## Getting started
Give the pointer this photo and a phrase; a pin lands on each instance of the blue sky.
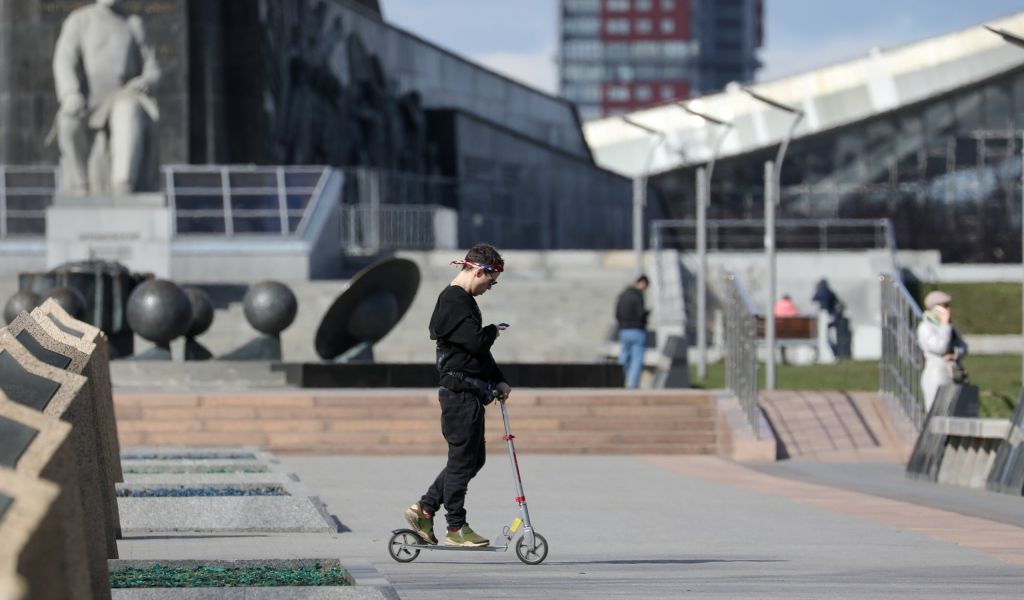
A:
(519, 38)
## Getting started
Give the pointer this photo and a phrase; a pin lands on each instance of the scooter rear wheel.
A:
(535, 555)
(402, 545)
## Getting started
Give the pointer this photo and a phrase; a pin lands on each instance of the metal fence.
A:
(741, 349)
(367, 229)
(790, 234)
(25, 194)
(241, 200)
(206, 200)
(902, 360)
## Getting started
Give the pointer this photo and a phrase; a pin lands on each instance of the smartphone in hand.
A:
(503, 326)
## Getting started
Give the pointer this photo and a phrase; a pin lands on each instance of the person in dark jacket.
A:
(469, 379)
(632, 319)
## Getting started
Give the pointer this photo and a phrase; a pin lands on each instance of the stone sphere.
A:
(23, 301)
(159, 311)
(202, 312)
(70, 299)
(270, 307)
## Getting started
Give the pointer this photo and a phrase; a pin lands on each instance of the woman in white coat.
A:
(943, 347)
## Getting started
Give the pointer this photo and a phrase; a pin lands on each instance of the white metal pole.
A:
(769, 249)
(639, 193)
(702, 273)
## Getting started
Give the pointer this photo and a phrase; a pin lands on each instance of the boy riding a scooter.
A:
(469, 381)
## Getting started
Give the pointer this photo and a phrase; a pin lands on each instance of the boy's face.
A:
(483, 281)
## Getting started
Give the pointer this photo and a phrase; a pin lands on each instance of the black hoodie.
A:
(463, 343)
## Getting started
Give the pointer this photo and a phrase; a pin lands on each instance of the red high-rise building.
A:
(621, 55)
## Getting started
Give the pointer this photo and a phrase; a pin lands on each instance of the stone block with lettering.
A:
(60, 349)
(39, 446)
(26, 380)
(84, 336)
(134, 230)
(30, 523)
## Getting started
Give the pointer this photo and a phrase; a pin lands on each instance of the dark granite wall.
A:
(28, 33)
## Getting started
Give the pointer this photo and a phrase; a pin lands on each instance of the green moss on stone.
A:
(178, 577)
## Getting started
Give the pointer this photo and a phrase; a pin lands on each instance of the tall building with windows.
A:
(621, 55)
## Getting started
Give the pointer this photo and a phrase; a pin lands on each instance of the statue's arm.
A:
(66, 60)
(151, 73)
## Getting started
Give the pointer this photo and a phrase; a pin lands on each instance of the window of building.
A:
(668, 26)
(582, 49)
(668, 5)
(583, 72)
(642, 93)
(667, 92)
(583, 92)
(617, 93)
(617, 5)
(675, 49)
(646, 50)
(625, 73)
(583, 6)
(644, 5)
(616, 51)
(582, 25)
(642, 26)
(617, 26)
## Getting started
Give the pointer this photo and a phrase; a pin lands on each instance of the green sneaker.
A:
(421, 523)
(464, 537)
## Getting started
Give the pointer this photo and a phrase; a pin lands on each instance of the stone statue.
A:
(106, 128)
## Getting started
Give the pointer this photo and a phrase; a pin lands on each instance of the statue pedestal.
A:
(134, 230)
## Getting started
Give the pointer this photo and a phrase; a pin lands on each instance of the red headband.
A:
(487, 268)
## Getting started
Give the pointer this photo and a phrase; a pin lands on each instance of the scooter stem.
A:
(516, 477)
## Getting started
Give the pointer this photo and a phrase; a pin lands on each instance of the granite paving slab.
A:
(252, 514)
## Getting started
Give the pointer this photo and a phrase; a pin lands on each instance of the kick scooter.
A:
(531, 548)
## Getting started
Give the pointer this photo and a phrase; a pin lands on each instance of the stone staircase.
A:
(358, 422)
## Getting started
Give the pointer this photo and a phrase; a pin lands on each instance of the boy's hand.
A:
(505, 390)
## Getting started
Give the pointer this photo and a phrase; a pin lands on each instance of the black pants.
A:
(462, 423)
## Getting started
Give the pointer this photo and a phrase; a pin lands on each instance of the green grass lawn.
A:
(980, 308)
(998, 378)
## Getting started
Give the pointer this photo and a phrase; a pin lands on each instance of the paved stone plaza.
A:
(661, 527)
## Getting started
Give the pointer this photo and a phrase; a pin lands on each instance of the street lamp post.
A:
(640, 193)
(772, 196)
(703, 201)
(1016, 40)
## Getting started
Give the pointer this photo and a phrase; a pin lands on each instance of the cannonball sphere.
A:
(70, 299)
(159, 311)
(270, 307)
(22, 301)
(202, 311)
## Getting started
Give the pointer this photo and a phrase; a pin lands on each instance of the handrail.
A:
(902, 359)
(741, 350)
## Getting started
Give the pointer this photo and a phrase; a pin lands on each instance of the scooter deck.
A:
(424, 546)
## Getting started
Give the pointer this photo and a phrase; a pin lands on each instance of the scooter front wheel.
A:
(402, 545)
(535, 555)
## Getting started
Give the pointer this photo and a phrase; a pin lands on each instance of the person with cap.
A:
(942, 345)
(470, 379)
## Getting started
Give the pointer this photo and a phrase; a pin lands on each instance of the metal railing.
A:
(902, 360)
(206, 200)
(790, 234)
(367, 229)
(741, 349)
(25, 194)
(216, 200)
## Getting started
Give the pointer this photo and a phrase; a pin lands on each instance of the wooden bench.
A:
(792, 331)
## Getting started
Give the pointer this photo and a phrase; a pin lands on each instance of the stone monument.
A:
(104, 71)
